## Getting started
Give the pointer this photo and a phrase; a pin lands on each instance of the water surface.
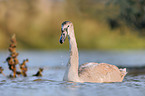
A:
(54, 62)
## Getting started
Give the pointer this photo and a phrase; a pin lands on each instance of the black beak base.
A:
(61, 41)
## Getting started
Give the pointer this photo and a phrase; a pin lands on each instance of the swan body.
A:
(88, 72)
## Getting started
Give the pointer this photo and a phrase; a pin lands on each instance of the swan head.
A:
(65, 27)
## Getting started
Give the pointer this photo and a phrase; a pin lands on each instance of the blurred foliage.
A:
(37, 24)
(132, 12)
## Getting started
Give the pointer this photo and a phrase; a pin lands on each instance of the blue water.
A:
(54, 62)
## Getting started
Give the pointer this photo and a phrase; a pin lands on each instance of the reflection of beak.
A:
(63, 37)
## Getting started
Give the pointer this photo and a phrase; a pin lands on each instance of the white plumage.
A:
(88, 72)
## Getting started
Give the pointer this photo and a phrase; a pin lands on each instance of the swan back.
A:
(100, 72)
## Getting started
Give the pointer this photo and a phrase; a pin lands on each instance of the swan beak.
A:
(61, 40)
(63, 37)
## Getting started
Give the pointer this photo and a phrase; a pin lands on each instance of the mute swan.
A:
(89, 72)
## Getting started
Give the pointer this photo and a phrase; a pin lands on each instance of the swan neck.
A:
(73, 50)
(72, 66)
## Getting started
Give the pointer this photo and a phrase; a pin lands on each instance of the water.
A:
(51, 83)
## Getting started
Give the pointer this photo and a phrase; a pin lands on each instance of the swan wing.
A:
(101, 72)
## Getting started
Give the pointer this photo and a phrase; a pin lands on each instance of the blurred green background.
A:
(99, 24)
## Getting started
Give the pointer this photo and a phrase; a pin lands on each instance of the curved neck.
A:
(71, 73)
(73, 50)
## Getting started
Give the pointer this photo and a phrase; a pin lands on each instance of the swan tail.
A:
(123, 73)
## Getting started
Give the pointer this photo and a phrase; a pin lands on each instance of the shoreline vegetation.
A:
(13, 62)
(37, 24)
